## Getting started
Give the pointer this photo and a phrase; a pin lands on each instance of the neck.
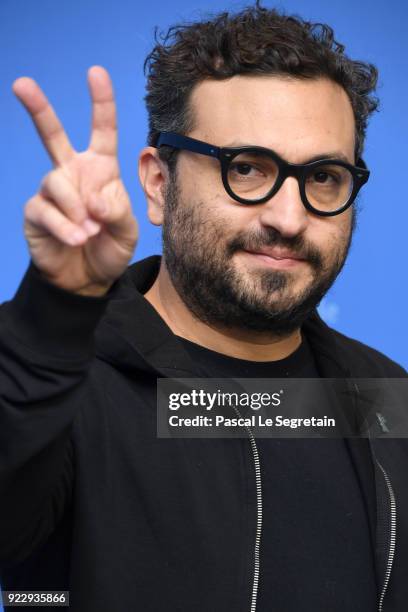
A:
(239, 343)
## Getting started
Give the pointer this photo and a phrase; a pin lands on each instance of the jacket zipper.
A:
(393, 527)
(257, 464)
(393, 536)
(258, 481)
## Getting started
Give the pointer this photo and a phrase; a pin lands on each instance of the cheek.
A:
(331, 235)
(342, 230)
(200, 179)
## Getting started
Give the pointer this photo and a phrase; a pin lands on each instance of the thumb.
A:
(116, 217)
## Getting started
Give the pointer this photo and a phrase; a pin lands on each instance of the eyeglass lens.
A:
(252, 175)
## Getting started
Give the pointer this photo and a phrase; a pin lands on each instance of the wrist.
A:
(94, 290)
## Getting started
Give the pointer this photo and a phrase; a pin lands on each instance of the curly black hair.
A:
(255, 41)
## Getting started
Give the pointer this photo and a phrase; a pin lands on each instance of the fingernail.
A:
(91, 227)
(102, 208)
(77, 237)
(97, 203)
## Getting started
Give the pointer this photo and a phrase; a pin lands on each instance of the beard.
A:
(199, 262)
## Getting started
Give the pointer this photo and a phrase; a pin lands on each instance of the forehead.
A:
(292, 116)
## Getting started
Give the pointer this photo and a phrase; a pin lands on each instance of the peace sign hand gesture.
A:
(80, 228)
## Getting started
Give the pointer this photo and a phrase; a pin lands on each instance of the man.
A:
(257, 125)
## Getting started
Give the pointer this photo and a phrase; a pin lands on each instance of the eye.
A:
(245, 169)
(324, 177)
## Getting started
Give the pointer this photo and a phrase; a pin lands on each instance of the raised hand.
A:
(80, 228)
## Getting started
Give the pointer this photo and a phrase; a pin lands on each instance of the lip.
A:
(276, 258)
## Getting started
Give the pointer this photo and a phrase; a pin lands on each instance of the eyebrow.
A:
(309, 160)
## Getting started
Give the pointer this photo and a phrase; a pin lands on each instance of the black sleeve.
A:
(46, 350)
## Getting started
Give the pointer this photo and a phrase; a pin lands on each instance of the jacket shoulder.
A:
(366, 361)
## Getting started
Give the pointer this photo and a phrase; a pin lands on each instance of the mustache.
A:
(269, 237)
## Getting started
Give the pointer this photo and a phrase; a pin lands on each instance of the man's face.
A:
(227, 260)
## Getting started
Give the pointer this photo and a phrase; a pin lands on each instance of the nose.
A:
(285, 211)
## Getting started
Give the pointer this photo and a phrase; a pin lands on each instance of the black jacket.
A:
(93, 502)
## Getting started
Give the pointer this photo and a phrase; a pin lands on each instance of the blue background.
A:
(55, 43)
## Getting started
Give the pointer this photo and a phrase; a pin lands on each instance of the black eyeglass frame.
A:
(226, 155)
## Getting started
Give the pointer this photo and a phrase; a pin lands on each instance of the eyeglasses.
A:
(253, 175)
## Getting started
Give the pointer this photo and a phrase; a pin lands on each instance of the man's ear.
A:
(153, 175)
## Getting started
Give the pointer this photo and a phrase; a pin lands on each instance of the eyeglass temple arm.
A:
(184, 142)
(197, 146)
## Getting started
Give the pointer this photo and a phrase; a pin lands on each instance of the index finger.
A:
(104, 136)
(45, 120)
